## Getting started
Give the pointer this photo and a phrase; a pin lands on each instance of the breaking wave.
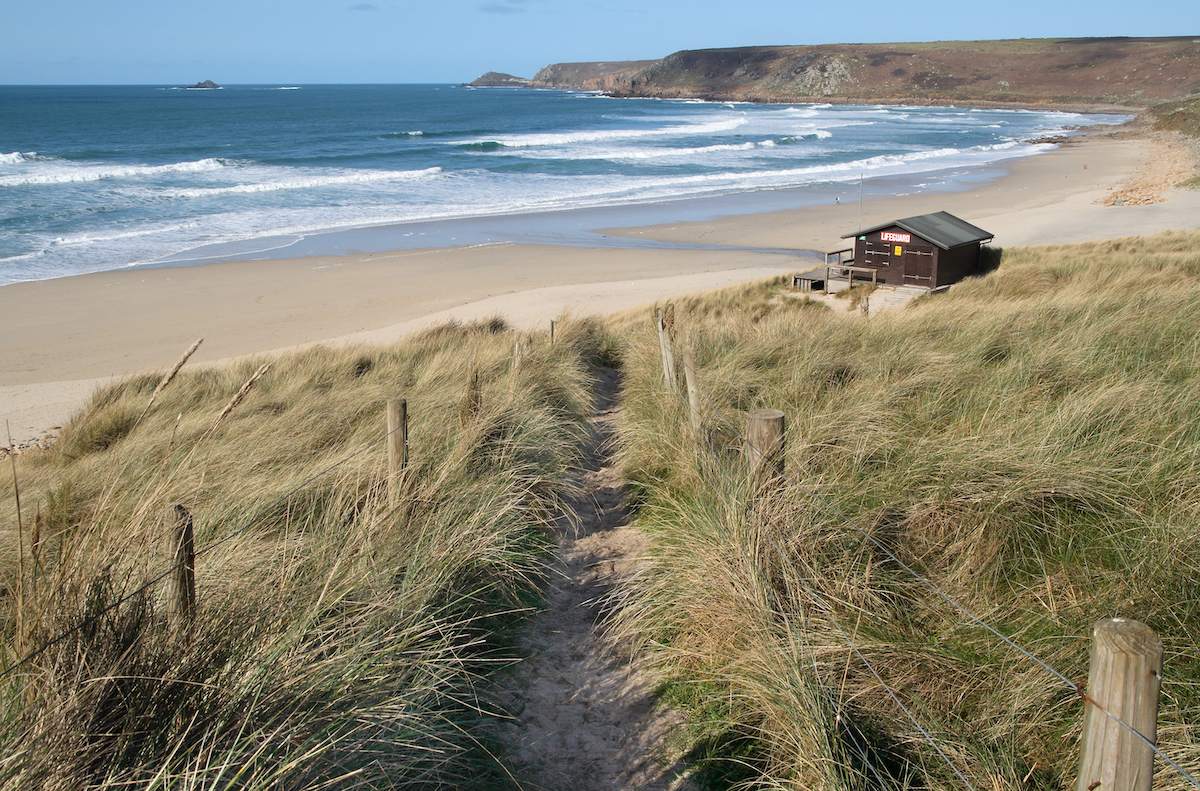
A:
(15, 157)
(567, 138)
(57, 171)
(307, 182)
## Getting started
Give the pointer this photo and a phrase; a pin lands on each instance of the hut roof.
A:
(942, 228)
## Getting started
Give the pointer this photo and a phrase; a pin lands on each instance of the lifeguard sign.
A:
(893, 236)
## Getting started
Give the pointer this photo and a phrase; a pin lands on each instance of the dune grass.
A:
(1029, 442)
(343, 630)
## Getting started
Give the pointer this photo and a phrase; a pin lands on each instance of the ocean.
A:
(96, 178)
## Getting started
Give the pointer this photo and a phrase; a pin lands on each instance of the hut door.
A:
(918, 266)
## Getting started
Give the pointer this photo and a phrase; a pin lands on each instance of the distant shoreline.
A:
(894, 102)
(346, 190)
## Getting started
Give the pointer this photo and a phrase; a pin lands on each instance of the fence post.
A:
(518, 353)
(181, 584)
(765, 442)
(693, 391)
(553, 323)
(662, 323)
(1123, 680)
(397, 435)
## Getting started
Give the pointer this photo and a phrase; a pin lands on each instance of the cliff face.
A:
(1085, 72)
(595, 76)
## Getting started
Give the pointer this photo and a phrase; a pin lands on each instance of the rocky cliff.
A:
(1080, 72)
(596, 76)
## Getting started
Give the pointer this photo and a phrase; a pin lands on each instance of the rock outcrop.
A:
(203, 85)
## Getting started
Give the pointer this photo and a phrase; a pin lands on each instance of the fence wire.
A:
(1037, 660)
(891, 693)
(150, 583)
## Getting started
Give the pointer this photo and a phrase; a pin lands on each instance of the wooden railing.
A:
(837, 257)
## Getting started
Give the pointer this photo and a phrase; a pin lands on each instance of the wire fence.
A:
(764, 447)
(149, 583)
(895, 698)
(1041, 663)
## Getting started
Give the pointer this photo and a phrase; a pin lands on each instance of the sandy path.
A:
(585, 715)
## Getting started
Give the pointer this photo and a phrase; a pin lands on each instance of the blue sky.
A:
(174, 41)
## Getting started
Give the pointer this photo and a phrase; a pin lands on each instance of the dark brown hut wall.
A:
(880, 254)
(957, 263)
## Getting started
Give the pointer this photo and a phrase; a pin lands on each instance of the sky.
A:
(346, 41)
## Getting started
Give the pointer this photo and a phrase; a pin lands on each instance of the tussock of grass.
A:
(1029, 440)
(340, 637)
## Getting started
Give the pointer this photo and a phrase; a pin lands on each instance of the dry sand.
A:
(585, 714)
(63, 337)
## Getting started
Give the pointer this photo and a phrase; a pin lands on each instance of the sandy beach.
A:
(1053, 198)
(65, 336)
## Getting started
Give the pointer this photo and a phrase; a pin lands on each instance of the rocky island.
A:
(203, 85)
(497, 79)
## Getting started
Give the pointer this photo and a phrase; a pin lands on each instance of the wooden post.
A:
(1123, 679)
(181, 584)
(661, 324)
(552, 325)
(397, 435)
(693, 391)
(518, 354)
(765, 441)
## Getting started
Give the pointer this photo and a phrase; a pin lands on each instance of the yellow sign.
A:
(899, 250)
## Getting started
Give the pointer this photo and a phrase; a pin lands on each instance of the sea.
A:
(97, 178)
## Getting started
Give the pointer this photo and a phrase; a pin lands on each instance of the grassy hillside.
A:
(1076, 72)
(1028, 442)
(341, 633)
(1181, 116)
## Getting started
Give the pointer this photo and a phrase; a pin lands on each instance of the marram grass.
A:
(1029, 441)
(342, 633)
